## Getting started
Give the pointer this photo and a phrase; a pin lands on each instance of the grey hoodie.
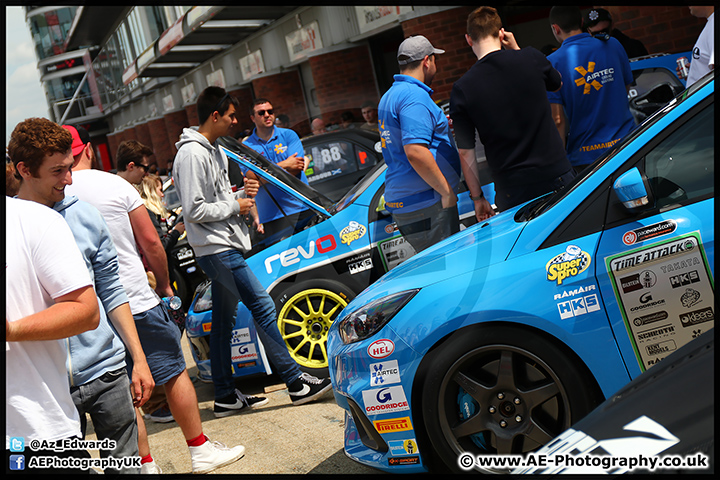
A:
(211, 213)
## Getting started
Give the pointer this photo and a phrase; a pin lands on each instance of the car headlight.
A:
(364, 322)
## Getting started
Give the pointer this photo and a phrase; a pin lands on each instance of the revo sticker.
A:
(292, 256)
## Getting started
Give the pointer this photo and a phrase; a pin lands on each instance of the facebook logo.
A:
(17, 462)
(578, 306)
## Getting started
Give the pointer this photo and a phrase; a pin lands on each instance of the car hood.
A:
(251, 160)
(476, 247)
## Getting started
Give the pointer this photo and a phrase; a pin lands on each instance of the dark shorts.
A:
(427, 226)
(160, 340)
(513, 195)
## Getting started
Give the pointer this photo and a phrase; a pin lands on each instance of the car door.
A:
(655, 265)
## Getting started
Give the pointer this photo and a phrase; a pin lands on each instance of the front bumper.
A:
(374, 388)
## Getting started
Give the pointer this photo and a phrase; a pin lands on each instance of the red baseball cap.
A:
(81, 137)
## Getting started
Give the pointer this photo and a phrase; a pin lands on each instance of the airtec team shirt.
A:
(408, 115)
(283, 143)
(594, 95)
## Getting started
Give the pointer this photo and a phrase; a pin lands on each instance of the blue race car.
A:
(313, 274)
(499, 338)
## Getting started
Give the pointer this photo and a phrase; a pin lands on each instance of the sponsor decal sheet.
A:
(666, 295)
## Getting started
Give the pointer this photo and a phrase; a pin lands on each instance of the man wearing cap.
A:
(423, 171)
(599, 23)
(596, 78)
(504, 98)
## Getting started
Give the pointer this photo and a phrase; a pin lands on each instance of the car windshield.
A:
(540, 205)
(359, 187)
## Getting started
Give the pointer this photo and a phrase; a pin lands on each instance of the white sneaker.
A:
(211, 455)
(150, 467)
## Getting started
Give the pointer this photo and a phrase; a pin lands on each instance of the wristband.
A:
(476, 198)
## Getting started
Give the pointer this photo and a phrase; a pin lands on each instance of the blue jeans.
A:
(232, 279)
(108, 401)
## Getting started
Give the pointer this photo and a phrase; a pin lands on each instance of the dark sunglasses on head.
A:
(261, 113)
(219, 104)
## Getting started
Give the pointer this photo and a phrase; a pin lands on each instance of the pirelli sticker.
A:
(393, 425)
(666, 295)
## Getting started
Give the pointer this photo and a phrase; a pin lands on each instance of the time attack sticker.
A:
(665, 293)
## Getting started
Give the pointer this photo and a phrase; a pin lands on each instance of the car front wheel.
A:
(501, 390)
(305, 313)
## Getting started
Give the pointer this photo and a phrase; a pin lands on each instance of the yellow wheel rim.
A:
(304, 322)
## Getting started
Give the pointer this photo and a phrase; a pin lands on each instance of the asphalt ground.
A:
(279, 438)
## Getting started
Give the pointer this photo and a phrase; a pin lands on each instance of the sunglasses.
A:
(144, 167)
(261, 113)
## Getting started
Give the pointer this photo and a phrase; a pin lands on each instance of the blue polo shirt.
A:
(283, 143)
(595, 73)
(407, 115)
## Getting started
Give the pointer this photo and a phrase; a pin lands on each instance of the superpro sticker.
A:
(665, 293)
(570, 263)
(354, 231)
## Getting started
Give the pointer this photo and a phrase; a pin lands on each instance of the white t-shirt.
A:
(115, 197)
(42, 263)
(703, 53)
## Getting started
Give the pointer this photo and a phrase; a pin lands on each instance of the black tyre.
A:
(501, 390)
(305, 312)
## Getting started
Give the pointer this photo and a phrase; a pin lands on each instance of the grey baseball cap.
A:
(415, 48)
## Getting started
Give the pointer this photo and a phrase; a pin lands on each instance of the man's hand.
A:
(259, 227)
(245, 205)
(449, 200)
(252, 186)
(293, 164)
(142, 383)
(483, 210)
(507, 39)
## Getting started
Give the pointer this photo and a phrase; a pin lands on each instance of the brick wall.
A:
(143, 135)
(245, 99)
(174, 124)
(192, 115)
(113, 142)
(285, 93)
(343, 81)
(161, 144)
(446, 31)
(663, 29)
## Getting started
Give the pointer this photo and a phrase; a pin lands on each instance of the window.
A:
(681, 168)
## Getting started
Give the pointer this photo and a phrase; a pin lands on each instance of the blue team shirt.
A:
(595, 73)
(283, 143)
(407, 115)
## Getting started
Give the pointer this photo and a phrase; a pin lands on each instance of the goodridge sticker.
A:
(665, 293)
(568, 264)
(385, 400)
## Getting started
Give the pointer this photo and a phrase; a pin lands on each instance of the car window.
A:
(682, 167)
(330, 159)
(647, 78)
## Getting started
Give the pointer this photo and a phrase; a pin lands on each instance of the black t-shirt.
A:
(504, 97)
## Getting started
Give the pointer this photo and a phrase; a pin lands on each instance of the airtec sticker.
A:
(568, 264)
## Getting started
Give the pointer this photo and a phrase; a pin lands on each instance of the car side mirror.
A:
(630, 187)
